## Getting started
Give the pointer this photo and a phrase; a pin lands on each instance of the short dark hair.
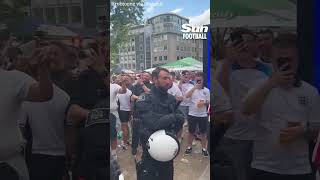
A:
(266, 31)
(237, 33)
(156, 72)
(287, 40)
(184, 72)
(173, 74)
(199, 74)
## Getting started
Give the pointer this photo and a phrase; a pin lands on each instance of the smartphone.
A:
(282, 61)
(237, 41)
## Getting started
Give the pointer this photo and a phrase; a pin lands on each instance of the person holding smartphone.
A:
(288, 111)
(198, 116)
(238, 73)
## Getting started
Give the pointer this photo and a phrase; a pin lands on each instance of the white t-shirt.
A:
(175, 91)
(297, 104)
(46, 120)
(184, 89)
(199, 94)
(114, 89)
(219, 98)
(124, 100)
(241, 81)
(14, 90)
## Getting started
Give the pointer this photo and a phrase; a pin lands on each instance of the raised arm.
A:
(42, 90)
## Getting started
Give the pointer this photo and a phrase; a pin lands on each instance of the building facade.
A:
(70, 13)
(135, 54)
(157, 42)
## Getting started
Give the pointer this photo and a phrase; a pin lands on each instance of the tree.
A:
(11, 9)
(122, 16)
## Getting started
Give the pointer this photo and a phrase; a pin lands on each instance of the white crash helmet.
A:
(163, 146)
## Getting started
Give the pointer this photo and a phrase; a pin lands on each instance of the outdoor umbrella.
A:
(117, 69)
(235, 13)
(24, 26)
(187, 62)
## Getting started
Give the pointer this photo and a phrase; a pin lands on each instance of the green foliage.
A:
(121, 18)
(11, 9)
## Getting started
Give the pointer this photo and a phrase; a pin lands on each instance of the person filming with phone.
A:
(198, 116)
(288, 113)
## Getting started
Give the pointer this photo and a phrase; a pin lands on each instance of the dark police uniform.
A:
(89, 90)
(154, 111)
(137, 90)
(94, 142)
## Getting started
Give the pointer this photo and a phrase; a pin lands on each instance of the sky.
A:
(198, 11)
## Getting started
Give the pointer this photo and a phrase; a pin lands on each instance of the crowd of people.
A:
(55, 111)
(54, 114)
(190, 99)
(51, 123)
(265, 117)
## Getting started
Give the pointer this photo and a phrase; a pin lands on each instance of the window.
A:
(76, 14)
(177, 48)
(140, 47)
(125, 66)
(51, 15)
(167, 19)
(129, 66)
(165, 37)
(132, 39)
(133, 66)
(177, 57)
(192, 49)
(63, 15)
(165, 47)
(165, 58)
(128, 49)
(155, 58)
(132, 48)
(160, 58)
(141, 57)
(38, 12)
(141, 38)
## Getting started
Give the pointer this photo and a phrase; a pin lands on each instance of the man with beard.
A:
(157, 110)
(143, 84)
(288, 117)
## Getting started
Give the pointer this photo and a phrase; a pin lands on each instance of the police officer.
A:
(157, 110)
(143, 85)
(90, 89)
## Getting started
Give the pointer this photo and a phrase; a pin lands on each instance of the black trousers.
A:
(135, 134)
(7, 172)
(154, 170)
(263, 175)
(46, 167)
